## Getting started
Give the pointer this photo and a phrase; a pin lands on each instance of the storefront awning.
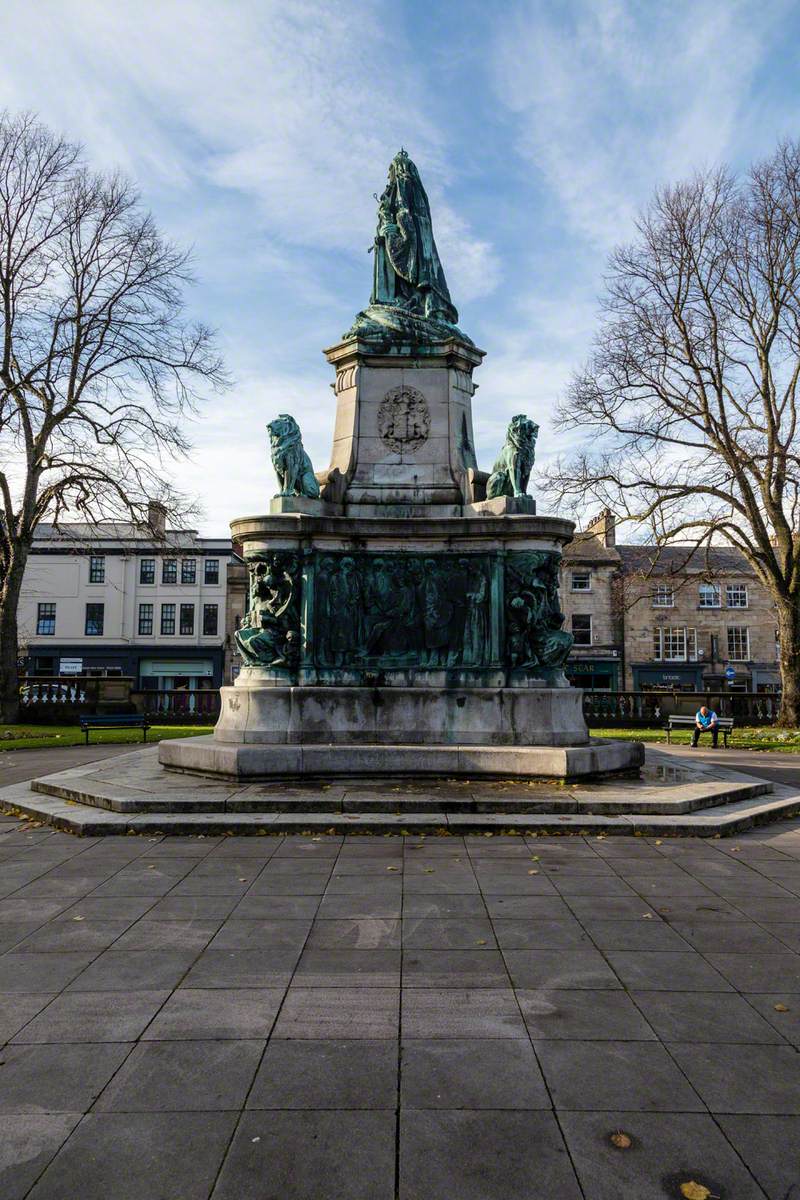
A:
(150, 667)
(664, 676)
(597, 666)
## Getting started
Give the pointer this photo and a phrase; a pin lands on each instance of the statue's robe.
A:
(408, 270)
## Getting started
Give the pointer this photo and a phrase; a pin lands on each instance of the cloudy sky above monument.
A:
(259, 131)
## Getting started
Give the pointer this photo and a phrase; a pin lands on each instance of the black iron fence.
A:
(652, 708)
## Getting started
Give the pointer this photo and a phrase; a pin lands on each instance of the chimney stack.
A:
(157, 517)
(604, 527)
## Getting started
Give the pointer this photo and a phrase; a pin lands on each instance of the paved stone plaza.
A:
(370, 1017)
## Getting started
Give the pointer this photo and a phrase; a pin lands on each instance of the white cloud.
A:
(299, 107)
(614, 98)
(470, 264)
(259, 131)
(230, 466)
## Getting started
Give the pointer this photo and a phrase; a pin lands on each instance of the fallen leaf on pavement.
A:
(696, 1191)
(780, 1008)
(621, 1140)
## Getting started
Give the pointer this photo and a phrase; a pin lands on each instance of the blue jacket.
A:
(706, 721)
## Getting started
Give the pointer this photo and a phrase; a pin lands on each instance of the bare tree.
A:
(98, 364)
(691, 395)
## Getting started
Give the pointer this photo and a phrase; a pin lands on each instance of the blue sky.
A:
(259, 131)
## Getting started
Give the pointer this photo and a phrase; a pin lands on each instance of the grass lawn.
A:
(40, 737)
(744, 737)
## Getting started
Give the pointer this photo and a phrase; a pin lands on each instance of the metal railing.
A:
(65, 697)
(603, 708)
(50, 697)
(179, 704)
(53, 691)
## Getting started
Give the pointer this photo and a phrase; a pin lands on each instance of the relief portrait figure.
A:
(476, 624)
(344, 613)
(437, 615)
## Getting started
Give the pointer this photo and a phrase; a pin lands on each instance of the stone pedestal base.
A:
(302, 732)
(389, 716)
(207, 756)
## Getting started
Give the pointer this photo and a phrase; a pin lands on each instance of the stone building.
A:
(696, 620)
(677, 618)
(589, 569)
(112, 599)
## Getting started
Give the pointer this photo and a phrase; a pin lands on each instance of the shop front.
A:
(69, 659)
(668, 678)
(765, 679)
(593, 674)
(181, 680)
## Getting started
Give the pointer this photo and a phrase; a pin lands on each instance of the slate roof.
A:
(676, 560)
(84, 536)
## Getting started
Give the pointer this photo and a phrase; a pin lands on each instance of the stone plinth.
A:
(403, 441)
(392, 716)
(419, 603)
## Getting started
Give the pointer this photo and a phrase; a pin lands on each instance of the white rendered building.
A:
(112, 599)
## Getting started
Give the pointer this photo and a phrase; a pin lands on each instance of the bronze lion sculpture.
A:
(290, 461)
(512, 470)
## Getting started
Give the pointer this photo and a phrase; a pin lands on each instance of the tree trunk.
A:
(789, 634)
(9, 650)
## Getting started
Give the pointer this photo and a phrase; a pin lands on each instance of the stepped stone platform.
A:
(134, 794)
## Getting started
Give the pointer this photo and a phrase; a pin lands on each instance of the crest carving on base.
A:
(404, 419)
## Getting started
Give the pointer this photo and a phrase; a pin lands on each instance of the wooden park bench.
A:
(724, 725)
(115, 721)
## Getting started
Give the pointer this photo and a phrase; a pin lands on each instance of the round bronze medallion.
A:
(404, 419)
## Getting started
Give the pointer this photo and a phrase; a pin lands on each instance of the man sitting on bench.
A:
(705, 721)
